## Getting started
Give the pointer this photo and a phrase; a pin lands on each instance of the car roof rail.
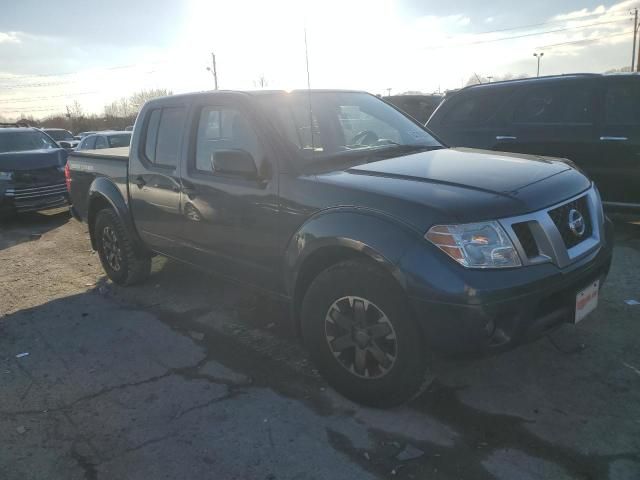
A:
(532, 79)
(15, 125)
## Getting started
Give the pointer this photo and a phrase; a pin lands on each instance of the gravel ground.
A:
(186, 377)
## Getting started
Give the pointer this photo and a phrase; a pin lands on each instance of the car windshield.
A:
(119, 140)
(58, 135)
(24, 140)
(322, 126)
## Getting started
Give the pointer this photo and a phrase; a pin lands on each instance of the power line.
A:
(46, 75)
(525, 35)
(52, 84)
(35, 99)
(533, 25)
(586, 40)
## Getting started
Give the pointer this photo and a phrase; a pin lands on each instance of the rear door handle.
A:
(505, 137)
(140, 182)
(614, 139)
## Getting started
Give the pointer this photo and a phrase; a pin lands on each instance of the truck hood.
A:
(32, 160)
(462, 184)
(494, 172)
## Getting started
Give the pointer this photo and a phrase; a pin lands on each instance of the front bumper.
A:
(31, 199)
(479, 312)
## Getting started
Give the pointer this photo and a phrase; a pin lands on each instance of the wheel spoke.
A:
(341, 343)
(341, 319)
(359, 312)
(379, 355)
(360, 360)
(379, 330)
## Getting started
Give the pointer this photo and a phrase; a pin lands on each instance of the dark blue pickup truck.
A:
(388, 245)
(31, 171)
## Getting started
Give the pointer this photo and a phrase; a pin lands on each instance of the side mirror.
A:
(64, 144)
(234, 162)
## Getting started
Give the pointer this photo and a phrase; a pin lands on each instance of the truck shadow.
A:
(30, 226)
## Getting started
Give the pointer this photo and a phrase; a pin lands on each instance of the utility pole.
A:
(388, 92)
(489, 77)
(635, 34)
(539, 57)
(213, 70)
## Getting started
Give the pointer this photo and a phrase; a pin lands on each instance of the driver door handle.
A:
(505, 137)
(614, 139)
(140, 181)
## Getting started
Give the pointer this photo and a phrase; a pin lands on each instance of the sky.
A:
(94, 52)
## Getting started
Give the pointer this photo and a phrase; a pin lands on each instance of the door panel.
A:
(230, 222)
(619, 148)
(154, 181)
(556, 119)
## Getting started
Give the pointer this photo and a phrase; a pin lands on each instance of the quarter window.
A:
(223, 128)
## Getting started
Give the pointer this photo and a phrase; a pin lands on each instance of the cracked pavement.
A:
(187, 377)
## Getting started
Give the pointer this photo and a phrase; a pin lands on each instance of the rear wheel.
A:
(115, 248)
(360, 333)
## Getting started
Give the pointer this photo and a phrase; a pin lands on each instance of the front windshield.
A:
(324, 125)
(59, 135)
(120, 140)
(24, 140)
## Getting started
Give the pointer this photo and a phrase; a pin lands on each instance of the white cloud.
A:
(9, 37)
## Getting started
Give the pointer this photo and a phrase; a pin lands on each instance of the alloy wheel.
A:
(361, 337)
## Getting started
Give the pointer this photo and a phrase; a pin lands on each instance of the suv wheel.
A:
(117, 255)
(359, 331)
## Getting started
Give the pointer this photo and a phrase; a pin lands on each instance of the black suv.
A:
(591, 119)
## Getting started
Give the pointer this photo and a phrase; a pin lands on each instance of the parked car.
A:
(388, 246)
(101, 140)
(419, 107)
(81, 135)
(31, 171)
(64, 138)
(591, 119)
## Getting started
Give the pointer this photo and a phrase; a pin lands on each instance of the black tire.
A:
(126, 267)
(350, 284)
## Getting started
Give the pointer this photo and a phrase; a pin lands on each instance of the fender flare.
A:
(103, 190)
(367, 232)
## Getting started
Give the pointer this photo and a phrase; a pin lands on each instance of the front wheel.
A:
(118, 257)
(361, 335)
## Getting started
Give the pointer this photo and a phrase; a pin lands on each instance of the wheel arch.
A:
(104, 193)
(338, 235)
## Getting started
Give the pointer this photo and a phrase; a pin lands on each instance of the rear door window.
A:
(101, 142)
(89, 143)
(555, 104)
(163, 134)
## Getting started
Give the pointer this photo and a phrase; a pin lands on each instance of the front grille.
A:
(560, 217)
(528, 243)
(38, 198)
(34, 193)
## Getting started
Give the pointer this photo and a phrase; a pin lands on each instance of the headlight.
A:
(475, 245)
(6, 175)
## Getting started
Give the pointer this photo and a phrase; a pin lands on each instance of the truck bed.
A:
(86, 166)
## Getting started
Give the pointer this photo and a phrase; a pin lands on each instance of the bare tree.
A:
(261, 81)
